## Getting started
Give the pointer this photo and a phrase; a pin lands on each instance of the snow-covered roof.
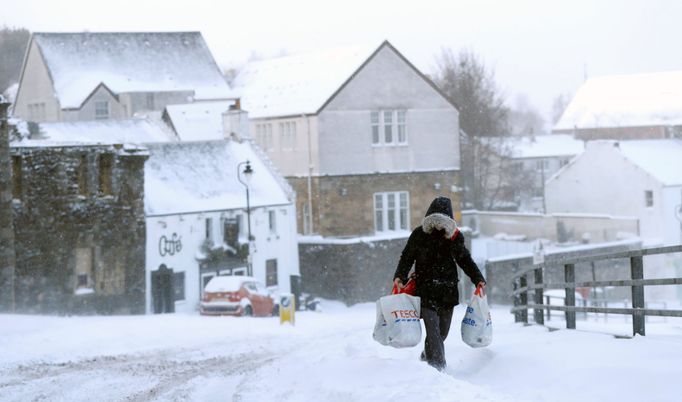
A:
(130, 62)
(198, 121)
(136, 131)
(298, 84)
(653, 99)
(660, 158)
(543, 146)
(227, 283)
(202, 176)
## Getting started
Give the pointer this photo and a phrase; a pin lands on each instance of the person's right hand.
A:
(398, 283)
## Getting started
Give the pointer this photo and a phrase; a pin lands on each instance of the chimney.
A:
(236, 123)
(7, 252)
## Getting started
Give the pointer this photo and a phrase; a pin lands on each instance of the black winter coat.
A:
(436, 247)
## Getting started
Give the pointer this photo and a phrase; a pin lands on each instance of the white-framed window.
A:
(264, 135)
(648, 198)
(101, 110)
(389, 127)
(287, 135)
(272, 221)
(307, 219)
(391, 211)
(374, 117)
(402, 126)
(241, 221)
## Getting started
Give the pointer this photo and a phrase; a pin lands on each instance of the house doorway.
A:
(162, 290)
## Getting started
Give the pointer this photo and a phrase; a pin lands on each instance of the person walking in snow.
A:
(436, 247)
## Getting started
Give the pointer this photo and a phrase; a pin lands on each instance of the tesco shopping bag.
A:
(477, 326)
(397, 321)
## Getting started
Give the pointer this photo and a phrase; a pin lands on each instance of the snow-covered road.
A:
(327, 356)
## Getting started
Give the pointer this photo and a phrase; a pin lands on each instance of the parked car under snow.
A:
(236, 295)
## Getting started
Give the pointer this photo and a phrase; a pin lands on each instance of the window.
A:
(389, 127)
(542, 164)
(375, 127)
(84, 264)
(82, 175)
(241, 222)
(178, 286)
(271, 272)
(231, 232)
(649, 198)
(106, 162)
(563, 162)
(402, 128)
(264, 135)
(391, 211)
(101, 110)
(287, 135)
(36, 111)
(272, 221)
(17, 177)
(209, 229)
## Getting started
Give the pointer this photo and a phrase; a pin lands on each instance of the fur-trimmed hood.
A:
(438, 221)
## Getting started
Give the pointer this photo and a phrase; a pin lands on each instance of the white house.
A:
(197, 221)
(364, 137)
(114, 75)
(639, 178)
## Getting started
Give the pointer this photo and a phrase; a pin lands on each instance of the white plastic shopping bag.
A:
(477, 325)
(397, 322)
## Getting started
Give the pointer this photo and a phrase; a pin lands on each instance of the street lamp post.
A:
(247, 173)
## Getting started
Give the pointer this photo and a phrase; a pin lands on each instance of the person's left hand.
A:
(481, 285)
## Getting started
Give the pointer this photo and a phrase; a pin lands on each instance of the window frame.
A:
(400, 211)
(389, 127)
(99, 115)
(272, 221)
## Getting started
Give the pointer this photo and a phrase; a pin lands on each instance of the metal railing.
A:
(637, 282)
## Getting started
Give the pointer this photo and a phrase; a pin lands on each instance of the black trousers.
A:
(437, 323)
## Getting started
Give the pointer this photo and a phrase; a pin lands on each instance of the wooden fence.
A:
(522, 289)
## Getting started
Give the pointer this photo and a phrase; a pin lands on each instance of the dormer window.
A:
(101, 110)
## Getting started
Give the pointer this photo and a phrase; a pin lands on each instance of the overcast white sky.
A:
(537, 48)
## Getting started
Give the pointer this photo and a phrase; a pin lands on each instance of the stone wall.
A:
(344, 205)
(79, 229)
(358, 270)
(354, 271)
(6, 223)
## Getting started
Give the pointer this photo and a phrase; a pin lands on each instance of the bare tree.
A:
(13, 44)
(466, 81)
(524, 119)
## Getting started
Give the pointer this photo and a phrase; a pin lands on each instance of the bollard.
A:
(287, 308)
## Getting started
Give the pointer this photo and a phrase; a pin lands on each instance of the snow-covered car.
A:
(236, 295)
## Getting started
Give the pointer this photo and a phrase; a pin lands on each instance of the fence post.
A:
(539, 313)
(523, 283)
(637, 272)
(517, 300)
(569, 277)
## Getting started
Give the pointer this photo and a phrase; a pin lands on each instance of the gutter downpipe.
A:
(310, 173)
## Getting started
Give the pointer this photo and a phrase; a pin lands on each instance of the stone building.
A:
(79, 227)
(7, 263)
(364, 138)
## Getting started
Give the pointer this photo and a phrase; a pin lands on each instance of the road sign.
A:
(287, 308)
